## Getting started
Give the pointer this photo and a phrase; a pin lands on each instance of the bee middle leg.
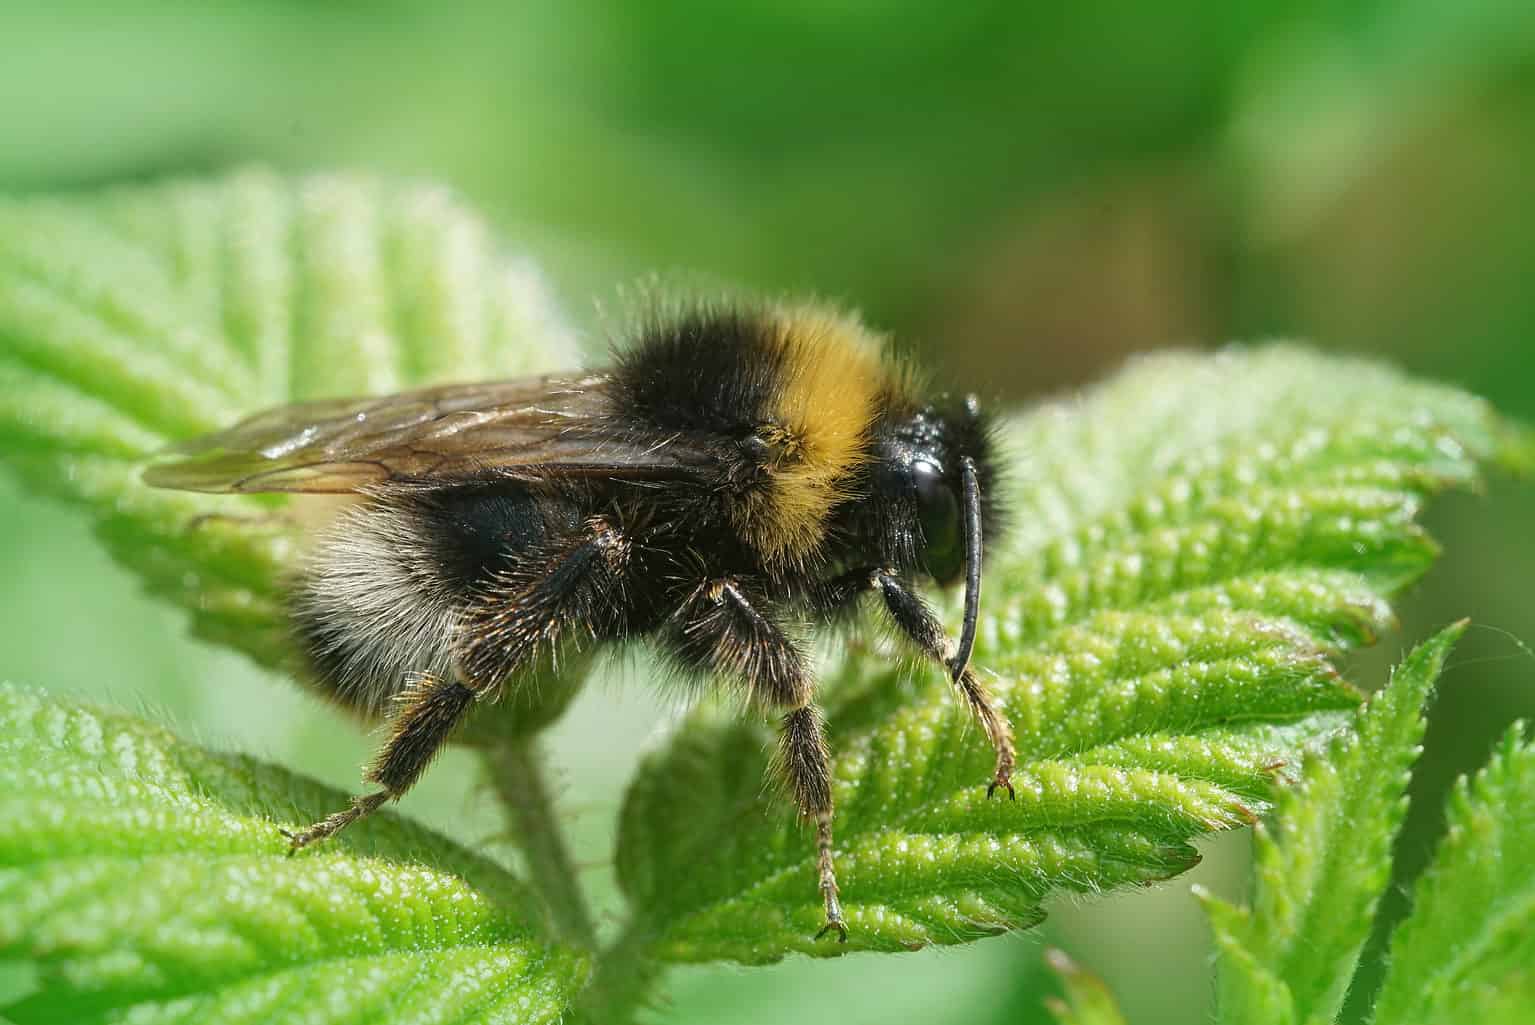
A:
(576, 582)
(915, 619)
(724, 629)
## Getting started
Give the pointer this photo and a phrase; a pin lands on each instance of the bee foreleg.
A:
(720, 628)
(916, 621)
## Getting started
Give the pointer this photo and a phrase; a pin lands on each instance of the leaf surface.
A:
(1467, 951)
(144, 879)
(144, 315)
(1321, 871)
(1192, 542)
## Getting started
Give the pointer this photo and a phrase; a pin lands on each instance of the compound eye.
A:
(943, 552)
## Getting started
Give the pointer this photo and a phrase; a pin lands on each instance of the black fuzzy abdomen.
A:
(478, 532)
(380, 596)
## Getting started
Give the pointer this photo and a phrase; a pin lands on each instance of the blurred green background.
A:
(1029, 192)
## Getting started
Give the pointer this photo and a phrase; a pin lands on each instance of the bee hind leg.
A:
(362, 805)
(574, 581)
(429, 711)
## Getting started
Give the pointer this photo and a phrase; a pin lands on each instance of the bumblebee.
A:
(736, 474)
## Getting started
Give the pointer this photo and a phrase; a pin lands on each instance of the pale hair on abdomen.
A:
(373, 609)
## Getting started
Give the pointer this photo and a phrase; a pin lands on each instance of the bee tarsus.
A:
(828, 880)
(363, 805)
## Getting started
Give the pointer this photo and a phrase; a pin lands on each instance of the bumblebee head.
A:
(935, 483)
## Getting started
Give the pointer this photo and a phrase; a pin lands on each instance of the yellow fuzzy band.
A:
(833, 381)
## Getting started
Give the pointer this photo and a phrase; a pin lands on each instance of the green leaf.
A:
(1088, 1001)
(143, 879)
(143, 315)
(1192, 541)
(1292, 955)
(1467, 951)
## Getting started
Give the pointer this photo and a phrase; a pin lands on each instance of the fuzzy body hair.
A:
(809, 426)
(828, 397)
(373, 607)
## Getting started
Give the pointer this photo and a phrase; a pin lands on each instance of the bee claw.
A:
(296, 841)
(1004, 782)
(837, 925)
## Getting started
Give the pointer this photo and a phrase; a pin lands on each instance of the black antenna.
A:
(972, 487)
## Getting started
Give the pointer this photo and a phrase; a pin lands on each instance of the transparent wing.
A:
(526, 428)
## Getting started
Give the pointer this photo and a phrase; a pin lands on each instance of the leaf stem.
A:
(517, 773)
(623, 979)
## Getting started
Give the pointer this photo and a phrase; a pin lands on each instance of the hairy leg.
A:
(806, 764)
(523, 612)
(916, 621)
(724, 629)
(429, 709)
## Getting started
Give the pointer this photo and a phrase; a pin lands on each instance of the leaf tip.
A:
(1427, 659)
(1087, 1001)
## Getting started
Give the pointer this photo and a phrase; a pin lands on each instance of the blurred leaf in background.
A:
(1031, 192)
